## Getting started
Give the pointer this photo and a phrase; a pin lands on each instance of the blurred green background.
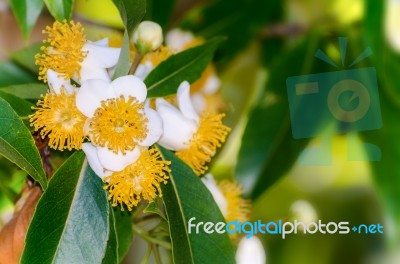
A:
(269, 41)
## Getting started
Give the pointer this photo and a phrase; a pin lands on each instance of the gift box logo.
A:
(348, 98)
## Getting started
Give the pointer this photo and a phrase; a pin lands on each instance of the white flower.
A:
(250, 251)
(104, 162)
(303, 211)
(177, 39)
(118, 120)
(148, 36)
(99, 58)
(185, 118)
(55, 83)
(392, 23)
(71, 55)
(217, 194)
(194, 138)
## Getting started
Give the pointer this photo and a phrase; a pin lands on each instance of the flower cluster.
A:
(113, 121)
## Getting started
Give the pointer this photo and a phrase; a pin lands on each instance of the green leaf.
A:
(123, 64)
(386, 173)
(26, 12)
(123, 224)
(184, 66)
(26, 91)
(132, 12)
(71, 221)
(160, 12)
(153, 208)
(268, 149)
(26, 57)
(11, 74)
(22, 107)
(60, 9)
(185, 196)
(111, 256)
(240, 21)
(17, 144)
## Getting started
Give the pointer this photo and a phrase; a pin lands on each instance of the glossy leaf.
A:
(22, 107)
(111, 255)
(71, 222)
(12, 74)
(184, 66)
(387, 61)
(160, 12)
(153, 208)
(185, 196)
(131, 11)
(60, 9)
(123, 225)
(26, 91)
(26, 12)
(268, 149)
(123, 64)
(17, 144)
(26, 57)
(240, 21)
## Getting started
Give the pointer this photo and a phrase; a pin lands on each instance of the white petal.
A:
(250, 250)
(55, 82)
(89, 72)
(212, 84)
(154, 126)
(199, 102)
(90, 95)
(185, 103)
(143, 70)
(130, 85)
(177, 39)
(93, 159)
(218, 196)
(100, 56)
(177, 129)
(102, 42)
(116, 162)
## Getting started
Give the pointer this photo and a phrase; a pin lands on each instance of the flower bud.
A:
(148, 36)
(250, 250)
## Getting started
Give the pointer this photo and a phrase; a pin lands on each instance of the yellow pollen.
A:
(58, 118)
(63, 53)
(158, 56)
(139, 180)
(199, 85)
(205, 141)
(119, 124)
(237, 207)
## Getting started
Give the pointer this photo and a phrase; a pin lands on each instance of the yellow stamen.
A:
(58, 118)
(158, 56)
(237, 207)
(64, 53)
(119, 124)
(193, 43)
(139, 180)
(199, 85)
(205, 141)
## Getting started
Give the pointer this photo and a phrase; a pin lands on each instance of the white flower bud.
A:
(148, 36)
(392, 23)
(303, 211)
(250, 250)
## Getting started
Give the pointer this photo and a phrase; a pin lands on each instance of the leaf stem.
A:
(156, 254)
(148, 253)
(145, 235)
(136, 62)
